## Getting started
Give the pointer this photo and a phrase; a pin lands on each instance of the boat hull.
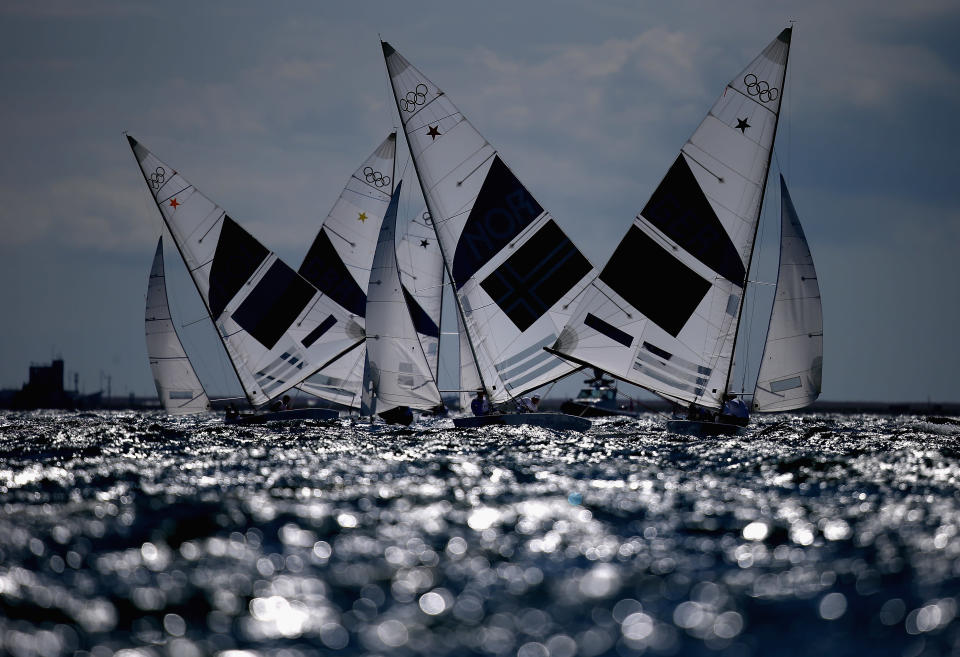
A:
(557, 421)
(571, 407)
(297, 414)
(703, 428)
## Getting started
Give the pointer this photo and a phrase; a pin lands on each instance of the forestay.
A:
(338, 263)
(514, 270)
(397, 372)
(178, 387)
(792, 365)
(663, 312)
(277, 328)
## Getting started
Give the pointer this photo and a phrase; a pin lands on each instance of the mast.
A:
(131, 141)
(753, 243)
(443, 253)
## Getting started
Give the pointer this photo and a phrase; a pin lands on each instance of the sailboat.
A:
(397, 376)
(791, 369)
(665, 311)
(277, 328)
(513, 270)
(339, 260)
(178, 387)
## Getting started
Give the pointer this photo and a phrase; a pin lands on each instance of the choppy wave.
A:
(129, 534)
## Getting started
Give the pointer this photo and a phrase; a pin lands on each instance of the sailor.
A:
(528, 404)
(735, 407)
(285, 403)
(480, 405)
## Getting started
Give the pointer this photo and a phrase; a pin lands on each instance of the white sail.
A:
(791, 369)
(663, 312)
(397, 372)
(514, 270)
(277, 328)
(420, 262)
(178, 387)
(339, 260)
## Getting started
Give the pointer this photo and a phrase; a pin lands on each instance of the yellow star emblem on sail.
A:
(362, 217)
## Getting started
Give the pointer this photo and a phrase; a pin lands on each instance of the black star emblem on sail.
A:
(742, 125)
(424, 243)
(433, 132)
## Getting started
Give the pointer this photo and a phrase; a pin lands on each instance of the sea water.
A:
(136, 534)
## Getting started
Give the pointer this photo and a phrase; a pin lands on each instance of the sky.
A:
(268, 107)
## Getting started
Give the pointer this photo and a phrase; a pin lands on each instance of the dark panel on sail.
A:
(503, 208)
(680, 209)
(328, 273)
(608, 330)
(534, 278)
(274, 304)
(654, 282)
(315, 334)
(237, 256)
(422, 322)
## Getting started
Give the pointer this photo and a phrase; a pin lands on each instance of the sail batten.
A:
(513, 269)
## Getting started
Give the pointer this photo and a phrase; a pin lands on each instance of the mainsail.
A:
(664, 311)
(277, 328)
(339, 260)
(791, 369)
(178, 387)
(513, 269)
(397, 372)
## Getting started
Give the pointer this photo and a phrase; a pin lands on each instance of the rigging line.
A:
(196, 321)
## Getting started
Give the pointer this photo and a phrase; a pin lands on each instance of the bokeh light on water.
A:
(128, 535)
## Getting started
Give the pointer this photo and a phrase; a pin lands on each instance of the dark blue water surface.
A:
(135, 534)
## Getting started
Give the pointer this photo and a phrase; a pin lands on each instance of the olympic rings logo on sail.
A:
(158, 177)
(375, 177)
(760, 88)
(413, 98)
(427, 219)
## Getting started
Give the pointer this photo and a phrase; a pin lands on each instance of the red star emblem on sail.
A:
(173, 203)
(433, 132)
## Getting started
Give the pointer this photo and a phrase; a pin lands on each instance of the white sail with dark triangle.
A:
(277, 328)
(397, 373)
(513, 269)
(792, 364)
(178, 387)
(420, 263)
(664, 311)
(339, 260)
